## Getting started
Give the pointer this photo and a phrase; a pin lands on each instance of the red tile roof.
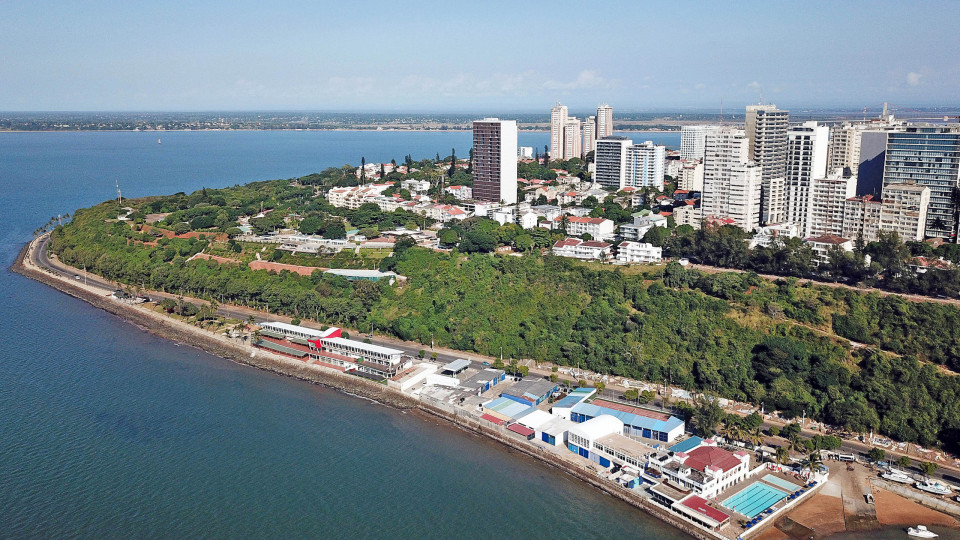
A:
(711, 456)
(523, 430)
(494, 419)
(631, 409)
(700, 506)
(828, 239)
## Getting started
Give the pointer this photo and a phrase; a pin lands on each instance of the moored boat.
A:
(921, 532)
(896, 475)
(934, 487)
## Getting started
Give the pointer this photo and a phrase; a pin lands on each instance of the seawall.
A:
(181, 332)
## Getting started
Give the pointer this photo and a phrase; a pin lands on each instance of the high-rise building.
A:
(724, 149)
(558, 120)
(766, 127)
(904, 210)
(806, 159)
(828, 197)
(589, 135)
(692, 139)
(930, 156)
(861, 218)
(743, 201)
(495, 160)
(572, 139)
(645, 165)
(861, 146)
(604, 122)
(611, 161)
(691, 176)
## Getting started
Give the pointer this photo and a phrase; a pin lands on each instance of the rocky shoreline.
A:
(223, 347)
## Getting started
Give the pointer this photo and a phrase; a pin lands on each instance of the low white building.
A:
(460, 192)
(822, 245)
(642, 222)
(639, 252)
(598, 228)
(582, 249)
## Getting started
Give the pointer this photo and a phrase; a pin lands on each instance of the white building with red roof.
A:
(582, 249)
(598, 228)
(460, 192)
(706, 470)
(822, 245)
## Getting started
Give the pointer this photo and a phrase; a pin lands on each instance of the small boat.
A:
(896, 475)
(921, 532)
(159, 141)
(934, 487)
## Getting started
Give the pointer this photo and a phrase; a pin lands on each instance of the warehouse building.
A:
(531, 391)
(639, 422)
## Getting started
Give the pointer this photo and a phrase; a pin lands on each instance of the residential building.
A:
(690, 177)
(638, 252)
(604, 121)
(460, 192)
(558, 120)
(572, 139)
(724, 149)
(861, 218)
(823, 245)
(688, 214)
(707, 470)
(768, 234)
(930, 156)
(828, 198)
(645, 165)
(642, 222)
(589, 135)
(611, 161)
(495, 160)
(524, 152)
(766, 128)
(807, 147)
(598, 228)
(693, 140)
(904, 210)
(744, 196)
(582, 249)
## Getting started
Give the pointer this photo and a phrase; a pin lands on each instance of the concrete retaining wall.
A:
(929, 500)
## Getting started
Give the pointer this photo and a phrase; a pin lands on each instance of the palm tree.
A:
(797, 444)
(813, 461)
(903, 462)
(783, 455)
(755, 436)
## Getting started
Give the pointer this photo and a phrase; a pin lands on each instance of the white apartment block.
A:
(828, 197)
(611, 161)
(604, 121)
(904, 210)
(766, 128)
(690, 177)
(589, 135)
(724, 149)
(823, 245)
(524, 152)
(638, 252)
(807, 147)
(645, 165)
(861, 218)
(353, 197)
(693, 140)
(460, 192)
(744, 199)
(688, 215)
(572, 139)
(598, 228)
(582, 249)
(558, 119)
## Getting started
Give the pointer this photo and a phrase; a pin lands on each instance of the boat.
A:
(921, 532)
(934, 487)
(896, 475)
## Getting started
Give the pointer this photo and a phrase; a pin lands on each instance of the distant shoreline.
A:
(391, 130)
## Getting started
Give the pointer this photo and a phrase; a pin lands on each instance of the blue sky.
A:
(474, 56)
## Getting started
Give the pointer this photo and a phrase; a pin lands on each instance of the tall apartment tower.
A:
(828, 197)
(766, 127)
(611, 161)
(744, 191)
(930, 156)
(724, 149)
(645, 165)
(558, 120)
(604, 121)
(495, 160)
(589, 135)
(807, 146)
(692, 139)
(572, 139)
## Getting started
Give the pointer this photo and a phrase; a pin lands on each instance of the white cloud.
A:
(586, 80)
(913, 78)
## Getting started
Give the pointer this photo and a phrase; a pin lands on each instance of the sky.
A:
(474, 56)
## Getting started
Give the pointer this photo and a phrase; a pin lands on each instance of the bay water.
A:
(107, 431)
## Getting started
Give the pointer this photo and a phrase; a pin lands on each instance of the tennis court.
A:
(755, 499)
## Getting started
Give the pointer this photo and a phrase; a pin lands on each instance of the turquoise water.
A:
(780, 482)
(755, 499)
(109, 432)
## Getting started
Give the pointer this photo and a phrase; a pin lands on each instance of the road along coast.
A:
(216, 344)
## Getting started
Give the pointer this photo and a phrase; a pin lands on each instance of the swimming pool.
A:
(780, 482)
(755, 499)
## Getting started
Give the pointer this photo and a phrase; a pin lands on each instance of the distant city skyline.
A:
(433, 56)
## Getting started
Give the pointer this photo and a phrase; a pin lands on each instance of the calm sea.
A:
(106, 431)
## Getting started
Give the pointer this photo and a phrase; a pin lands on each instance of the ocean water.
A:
(107, 431)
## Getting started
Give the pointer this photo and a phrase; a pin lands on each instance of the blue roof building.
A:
(638, 422)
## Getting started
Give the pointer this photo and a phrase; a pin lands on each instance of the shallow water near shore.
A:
(109, 431)
(895, 532)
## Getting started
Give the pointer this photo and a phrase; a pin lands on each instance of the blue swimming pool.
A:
(755, 499)
(781, 483)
